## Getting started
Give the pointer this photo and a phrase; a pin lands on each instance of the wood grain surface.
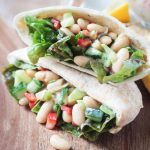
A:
(20, 131)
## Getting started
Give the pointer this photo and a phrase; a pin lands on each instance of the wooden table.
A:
(20, 131)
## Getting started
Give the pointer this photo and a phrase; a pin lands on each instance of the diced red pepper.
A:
(51, 121)
(32, 104)
(86, 32)
(67, 109)
(56, 23)
(73, 124)
(42, 69)
(31, 98)
(84, 42)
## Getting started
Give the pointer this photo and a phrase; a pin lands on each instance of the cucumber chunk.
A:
(18, 91)
(75, 95)
(37, 107)
(68, 20)
(21, 76)
(94, 114)
(94, 53)
(34, 86)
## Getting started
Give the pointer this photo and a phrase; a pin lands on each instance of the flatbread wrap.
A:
(66, 98)
(86, 40)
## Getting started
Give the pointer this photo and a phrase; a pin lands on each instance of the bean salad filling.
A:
(57, 103)
(110, 56)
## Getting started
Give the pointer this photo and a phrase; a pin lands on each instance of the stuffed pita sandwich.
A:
(85, 40)
(67, 99)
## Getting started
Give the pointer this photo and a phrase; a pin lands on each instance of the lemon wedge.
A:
(121, 13)
(146, 82)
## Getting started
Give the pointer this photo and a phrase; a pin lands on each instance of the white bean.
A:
(105, 40)
(120, 42)
(23, 101)
(66, 117)
(122, 55)
(55, 86)
(96, 45)
(96, 27)
(90, 102)
(112, 35)
(93, 35)
(75, 28)
(45, 109)
(30, 72)
(40, 94)
(117, 66)
(59, 142)
(66, 31)
(78, 114)
(46, 76)
(82, 23)
(81, 60)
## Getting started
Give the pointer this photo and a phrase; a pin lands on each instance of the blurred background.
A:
(138, 9)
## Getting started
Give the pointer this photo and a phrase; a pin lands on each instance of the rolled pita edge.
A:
(125, 100)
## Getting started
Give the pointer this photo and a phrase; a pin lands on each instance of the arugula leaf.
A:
(18, 91)
(97, 67)
(91, 127)
(107, 111)
(22, 65)
(109, 56)
(37, 51)
(60, 49)
(91, 135)
(69, 128)
(8, 76)
(41, 30)
(128, 69)
(138, 54)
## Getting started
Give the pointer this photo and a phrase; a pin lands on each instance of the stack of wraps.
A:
(66, 95)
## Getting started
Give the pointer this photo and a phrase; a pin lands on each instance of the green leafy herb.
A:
(20, 75)
(60, 49)
(18, 91)
(8, 76)
(128, 70)
(138, 54)
(97, 67)
(92, 129)
(23, 65)
(109, 56)
(37, 51)
(41, 30)
(107, 111)
(69, 128)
